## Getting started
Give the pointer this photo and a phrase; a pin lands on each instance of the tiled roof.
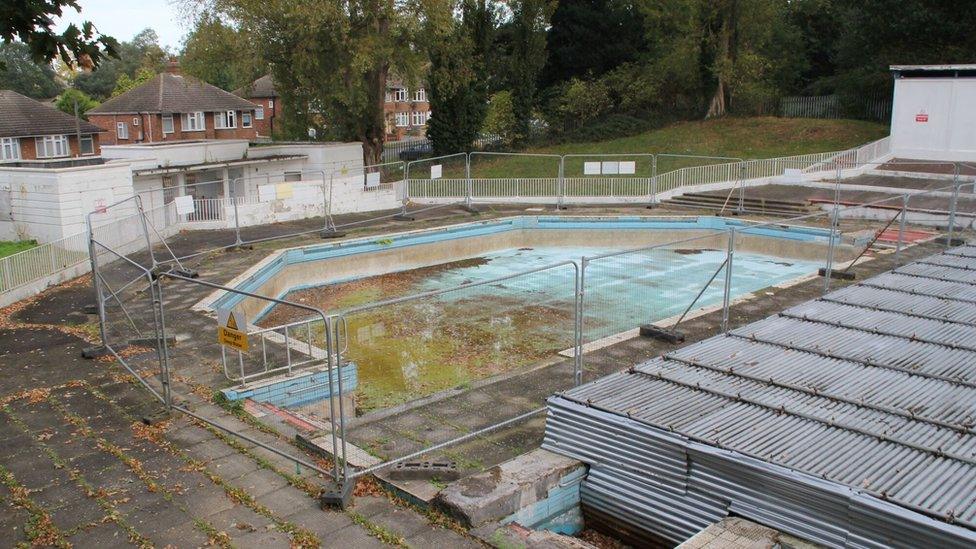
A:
(173, 93)
(22, 116)
(262, 87)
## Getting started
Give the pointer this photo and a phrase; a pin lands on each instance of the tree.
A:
(143, 51)
(32, 22)
(500, 118)
(588, 38)
(19, 72)
(331, 59)
(125, 83)
(72, 98)
(879, 33)
(527, 56)
(220, 54)
(457, 81)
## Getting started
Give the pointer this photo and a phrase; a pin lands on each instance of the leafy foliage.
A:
(220, 54)
(71, 97)
(331, 60)
(457, 81)
(500, 117)
(19, 72)
(32, 23)
(126, 83)
(142, 52)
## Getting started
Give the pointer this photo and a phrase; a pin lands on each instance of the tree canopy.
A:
(142, 52)
(32, 23)
(19, 72)
(220, 54)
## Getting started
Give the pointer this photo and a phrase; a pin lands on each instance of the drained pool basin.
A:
(499, 296)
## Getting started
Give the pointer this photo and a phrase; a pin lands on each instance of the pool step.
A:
(762, 206)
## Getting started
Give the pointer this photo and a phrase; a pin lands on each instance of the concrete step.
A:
(732, 206)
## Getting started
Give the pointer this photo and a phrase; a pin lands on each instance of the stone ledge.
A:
(506, 488)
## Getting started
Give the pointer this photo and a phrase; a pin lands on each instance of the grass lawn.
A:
(8, 247)
(747, 138)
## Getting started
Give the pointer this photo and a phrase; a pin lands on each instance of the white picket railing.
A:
(28, 266)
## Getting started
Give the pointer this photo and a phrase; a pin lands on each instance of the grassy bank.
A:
(747, 138)
(8, 247)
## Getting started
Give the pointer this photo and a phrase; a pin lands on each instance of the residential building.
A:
(262, 93)
(174, 107)
(31, 130)
(406, 111)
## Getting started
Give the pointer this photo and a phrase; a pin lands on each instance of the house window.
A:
(420, 95)
(419, 118)
(135, 121)
(168, 123)
(9, 148)
(259, 113)
(121, 130)
(399, 94)
(245, 119)
(87, 144)
(293, 176)
(51, 146)
(402, 119)
(194, 122)
(271, 104)
(389, 96)
(224, 120)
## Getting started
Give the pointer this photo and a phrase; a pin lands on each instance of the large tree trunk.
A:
(724, 60)
(716, 107)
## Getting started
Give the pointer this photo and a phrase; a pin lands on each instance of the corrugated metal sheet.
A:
(848, 420)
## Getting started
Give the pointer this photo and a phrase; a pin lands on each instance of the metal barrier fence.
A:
(242, 204)
(364, 375)
(474, 346)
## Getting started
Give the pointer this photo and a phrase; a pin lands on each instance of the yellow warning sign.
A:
(232, 329)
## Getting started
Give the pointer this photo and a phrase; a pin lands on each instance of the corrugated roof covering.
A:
(173, 93)
(870, 389)
(21, 116)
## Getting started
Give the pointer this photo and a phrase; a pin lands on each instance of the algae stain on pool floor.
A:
(414, 349)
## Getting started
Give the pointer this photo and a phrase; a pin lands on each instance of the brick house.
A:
(262, 93)
(174, 107)
(406, 111)
(31, 130)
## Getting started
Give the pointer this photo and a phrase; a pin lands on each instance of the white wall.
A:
(49, 204)
(143, 157)
(950, 130)
(327, 157)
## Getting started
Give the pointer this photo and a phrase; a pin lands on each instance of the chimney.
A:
(173, 66)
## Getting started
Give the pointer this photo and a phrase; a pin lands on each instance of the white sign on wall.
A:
(266, 193)
(372, 180)
(435, 171)
(591, 168)
(184, 205)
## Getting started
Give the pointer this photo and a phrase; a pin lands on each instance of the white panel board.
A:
(436, 171)
(628, 167)
(591, 168)
(611, 168)
(184, 205)
(372, 180)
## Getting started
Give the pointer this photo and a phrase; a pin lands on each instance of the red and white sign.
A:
(921, 117)
(101, 205)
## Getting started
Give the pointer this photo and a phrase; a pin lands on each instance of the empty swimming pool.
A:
(406, 350)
